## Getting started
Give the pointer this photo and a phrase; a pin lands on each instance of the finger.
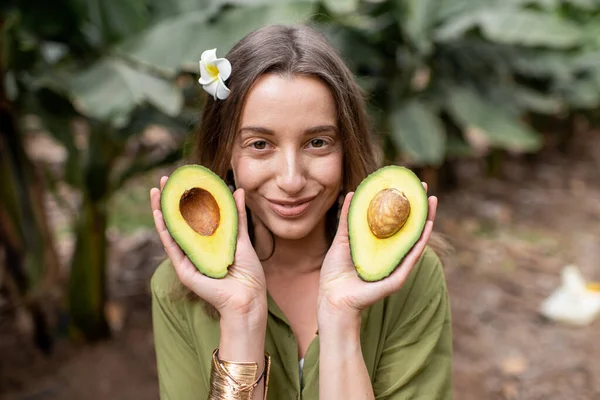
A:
(432, 210)
(171, 247)
(342, 231)
(163, 181)
(425, 186)
(240, 202)
(155, 199)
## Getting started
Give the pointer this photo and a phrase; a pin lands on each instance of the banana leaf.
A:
(419, 133)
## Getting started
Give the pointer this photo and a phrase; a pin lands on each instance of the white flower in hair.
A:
(213, 74)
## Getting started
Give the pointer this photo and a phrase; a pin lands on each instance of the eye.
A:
(259, 145)
(317, 143)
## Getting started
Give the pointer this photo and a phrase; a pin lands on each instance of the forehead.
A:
(279, 102)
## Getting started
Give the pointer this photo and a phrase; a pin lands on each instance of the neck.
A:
(292, 256)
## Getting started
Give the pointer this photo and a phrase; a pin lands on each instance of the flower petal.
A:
(205, 76)
(222, 90)
(209, 56)
(211, 88)
(224, 67)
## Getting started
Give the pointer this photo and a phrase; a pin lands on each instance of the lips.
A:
(289, 209)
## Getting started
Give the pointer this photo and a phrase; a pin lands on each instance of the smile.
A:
(290, 209)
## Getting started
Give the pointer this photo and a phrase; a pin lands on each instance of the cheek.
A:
(329, 171)
(248, 172)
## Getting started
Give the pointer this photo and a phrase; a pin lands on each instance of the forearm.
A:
(243, 340)
(342, 370)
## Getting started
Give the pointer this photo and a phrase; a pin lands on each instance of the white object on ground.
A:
(574, 302)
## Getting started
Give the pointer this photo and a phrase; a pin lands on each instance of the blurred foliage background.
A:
(445, 79)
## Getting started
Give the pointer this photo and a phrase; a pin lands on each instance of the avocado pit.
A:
(200, 210)
(387, 212)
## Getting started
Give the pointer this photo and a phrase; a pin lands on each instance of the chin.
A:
(291, 230)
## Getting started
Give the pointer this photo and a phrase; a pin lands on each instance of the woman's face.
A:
(287, 155)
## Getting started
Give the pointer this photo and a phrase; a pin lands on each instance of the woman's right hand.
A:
(243, 291)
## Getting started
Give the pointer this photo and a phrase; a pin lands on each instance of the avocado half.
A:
(386, 217)
(200, 214)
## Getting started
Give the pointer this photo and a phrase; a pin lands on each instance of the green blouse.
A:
(406, 342)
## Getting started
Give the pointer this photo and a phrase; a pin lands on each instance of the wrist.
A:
(244, 323)
(252, 312)
(331, 317)
(242, 336)
(339, 334)
(241, 322)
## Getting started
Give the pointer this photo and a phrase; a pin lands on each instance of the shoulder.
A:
(168, 292)
(427, 278)
(174, 305)
(164, 280)
(425, 287)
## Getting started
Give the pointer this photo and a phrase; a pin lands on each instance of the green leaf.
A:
(588, 60)
(456, 27)
(416, 19)
(418, 131)
(588, 5)
(584, 93)
(515, 26)
(473, 113)
(106, 22)
(356, 50)
(254, 3)
(341, 6)
(542, 64)
(171, 42)
(125, 18)
(536, 101)
(528, 28)
(111, 89)
(179, 41)
(545, 4)
(458, 148)
(165, 9)
(452, 9)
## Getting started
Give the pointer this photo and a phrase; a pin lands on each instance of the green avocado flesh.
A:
(381, 201)
(201, 216)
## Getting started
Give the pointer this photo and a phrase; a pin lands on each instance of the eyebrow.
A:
(309, 131)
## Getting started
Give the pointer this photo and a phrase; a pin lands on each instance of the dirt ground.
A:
(511, 237)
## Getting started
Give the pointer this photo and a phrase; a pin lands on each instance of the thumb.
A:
(342, 231)
(240, 202)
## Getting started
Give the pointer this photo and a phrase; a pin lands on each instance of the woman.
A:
(292, 138)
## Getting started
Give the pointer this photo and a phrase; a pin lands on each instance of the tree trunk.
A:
(31, 259)
(87, 286)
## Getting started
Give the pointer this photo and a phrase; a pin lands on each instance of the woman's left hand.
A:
(341, 291)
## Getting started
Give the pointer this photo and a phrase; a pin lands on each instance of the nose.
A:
(291, 177)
